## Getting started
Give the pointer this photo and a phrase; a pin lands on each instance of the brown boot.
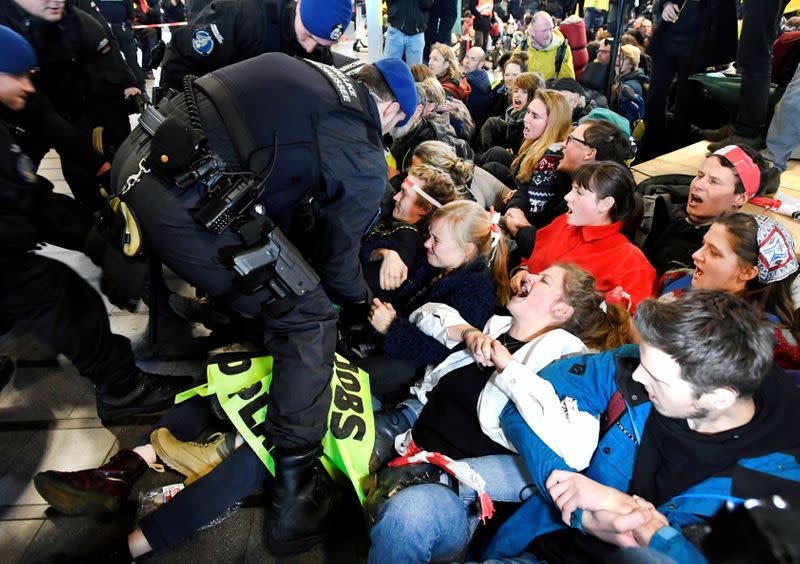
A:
(192, 459)
(95, 491)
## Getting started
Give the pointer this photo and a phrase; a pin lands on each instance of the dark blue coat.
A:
(480, 99)
(470, 290)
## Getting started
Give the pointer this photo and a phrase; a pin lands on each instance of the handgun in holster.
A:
(276, 264)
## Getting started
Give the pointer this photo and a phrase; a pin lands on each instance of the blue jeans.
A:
(398, 43)
(429, 522)
(784, 130)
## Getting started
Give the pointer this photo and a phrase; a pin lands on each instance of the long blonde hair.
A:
(559, 123)
(470, 223)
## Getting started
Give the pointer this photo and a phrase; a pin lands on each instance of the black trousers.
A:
(123, 33)
(300, 334)
(754, 62)
(442, 18)
(61, 308)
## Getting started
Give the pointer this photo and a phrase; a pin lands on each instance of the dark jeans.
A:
(235, 478)
(48, 298)
(443, 16)
(754, 62)
(300, 333)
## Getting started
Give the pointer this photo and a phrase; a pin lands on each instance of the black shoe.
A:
(304, 496)
(198, 310)
(6, 370)
(754, 142)
(381, 487)
(771, 181)
(150, 394)
(388, 424)
(717, 134)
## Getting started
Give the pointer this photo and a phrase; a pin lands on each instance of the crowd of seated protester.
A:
(609, 358)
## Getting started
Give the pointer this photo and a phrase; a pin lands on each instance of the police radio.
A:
(226, 200)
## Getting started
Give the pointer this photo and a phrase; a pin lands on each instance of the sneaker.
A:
(192, 459)
(151, 393)
(95, 491)
(198, 310)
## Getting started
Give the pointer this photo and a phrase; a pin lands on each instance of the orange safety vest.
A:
(485, 7)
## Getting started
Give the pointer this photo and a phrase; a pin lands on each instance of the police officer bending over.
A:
(229, 31)
(45, 295)
(84, 81)
(267, 216)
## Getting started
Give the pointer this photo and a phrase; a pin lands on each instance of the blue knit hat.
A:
(327, 19)
(16, 54)
(399, 78)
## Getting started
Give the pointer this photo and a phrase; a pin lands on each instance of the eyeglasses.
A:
(571, 138)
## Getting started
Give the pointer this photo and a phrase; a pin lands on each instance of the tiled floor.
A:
(48, 421)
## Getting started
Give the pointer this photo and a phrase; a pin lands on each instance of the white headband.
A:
(413, 185)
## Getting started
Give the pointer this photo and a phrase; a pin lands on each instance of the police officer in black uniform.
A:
(44, 295)
(119, 14)
(84, 80)
(229, 31)
(255, 184)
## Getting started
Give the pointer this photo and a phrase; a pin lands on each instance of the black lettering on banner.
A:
(344, 401)
(235, 366)
(342, 429)
(249, 410)
(349, 381)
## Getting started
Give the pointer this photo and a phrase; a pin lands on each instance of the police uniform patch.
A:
(25, 167)
(217, 34)
(337, 32)
(202, 42)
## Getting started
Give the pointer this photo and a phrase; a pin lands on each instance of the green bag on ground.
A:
(241, 385)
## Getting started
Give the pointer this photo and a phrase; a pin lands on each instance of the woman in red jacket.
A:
(590, 233)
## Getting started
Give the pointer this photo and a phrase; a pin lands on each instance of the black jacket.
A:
(79, 61)
(29, 211)
(229, 31)
(409, 16)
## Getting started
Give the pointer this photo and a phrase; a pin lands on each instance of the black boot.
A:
(388, 424)
(148, 393)
(302, 501)
(384, 485)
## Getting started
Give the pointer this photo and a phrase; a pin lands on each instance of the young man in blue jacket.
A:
(696, 417)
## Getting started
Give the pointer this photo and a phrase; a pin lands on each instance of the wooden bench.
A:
(689, 159)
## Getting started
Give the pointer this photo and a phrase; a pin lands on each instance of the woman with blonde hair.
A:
(503, 134)
(467, 257)
(468, 178)
(443, 63)
(533, 172)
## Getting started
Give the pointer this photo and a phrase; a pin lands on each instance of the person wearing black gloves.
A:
(81, 86)
(229, 31)
(44, 295)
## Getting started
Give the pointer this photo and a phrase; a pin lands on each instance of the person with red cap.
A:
(229, 31)
(726, 180)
